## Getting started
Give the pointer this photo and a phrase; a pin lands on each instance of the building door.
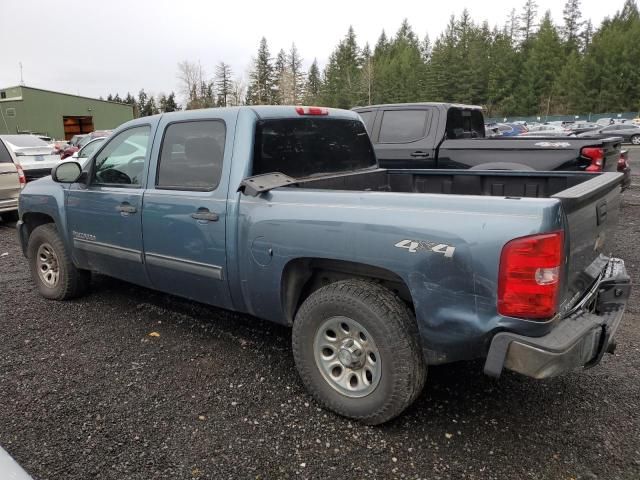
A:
(77, 126)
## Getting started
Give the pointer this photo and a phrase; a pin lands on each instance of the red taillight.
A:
(529, 277)
(596, 155)
(21, 177)
(312, 111)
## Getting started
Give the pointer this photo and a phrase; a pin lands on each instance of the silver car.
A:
(11, 182)
(35, 156)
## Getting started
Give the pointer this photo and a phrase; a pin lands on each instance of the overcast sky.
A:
(95, 48)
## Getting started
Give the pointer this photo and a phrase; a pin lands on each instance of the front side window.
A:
(121, 162)
(191, 156)
(301, 147)
(403, 126)
(90, 148)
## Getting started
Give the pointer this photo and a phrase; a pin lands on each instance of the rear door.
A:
(185, 208)
(9, 181)
(405, 136)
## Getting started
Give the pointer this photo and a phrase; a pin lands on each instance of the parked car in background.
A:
(583, 127)
(71, 149)
(12, 180)
(89, 149)
(491, 130)
(629, 132)
(511, 129)
(36, 157)
(605, 121)
(76, 139)
(547, 131)
(636, 121)
(434, 135)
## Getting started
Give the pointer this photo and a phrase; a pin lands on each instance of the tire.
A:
(635, 139)
(48, 258)
(10, 216)
(398, 373)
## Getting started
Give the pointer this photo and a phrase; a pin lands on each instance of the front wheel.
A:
(356, 348)
(635, 139)
(51, 268)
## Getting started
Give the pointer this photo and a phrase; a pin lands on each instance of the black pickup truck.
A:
(452, 136)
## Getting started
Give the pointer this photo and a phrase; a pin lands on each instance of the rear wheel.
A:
(635, 139)
(356, 348)
(51, 268)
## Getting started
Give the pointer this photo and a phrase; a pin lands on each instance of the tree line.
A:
(528, 66)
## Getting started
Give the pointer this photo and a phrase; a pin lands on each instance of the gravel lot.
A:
(85, 392)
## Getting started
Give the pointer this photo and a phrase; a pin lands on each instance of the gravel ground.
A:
(86, 392)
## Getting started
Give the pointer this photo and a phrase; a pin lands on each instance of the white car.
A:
(35, 156)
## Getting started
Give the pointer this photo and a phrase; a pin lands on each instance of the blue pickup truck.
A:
(284, 214)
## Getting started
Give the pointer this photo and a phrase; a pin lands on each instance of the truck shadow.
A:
(457, 397)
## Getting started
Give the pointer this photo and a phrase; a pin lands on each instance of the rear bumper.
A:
(579, 340)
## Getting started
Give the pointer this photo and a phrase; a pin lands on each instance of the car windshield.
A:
(301, 147)
(21, 141)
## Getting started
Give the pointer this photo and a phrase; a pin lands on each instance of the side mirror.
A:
(66, 172)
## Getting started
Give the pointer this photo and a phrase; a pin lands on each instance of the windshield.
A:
(24, 141)
(301, 147)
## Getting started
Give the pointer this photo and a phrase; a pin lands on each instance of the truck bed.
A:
(456, 182)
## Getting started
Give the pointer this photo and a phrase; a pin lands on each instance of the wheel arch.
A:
(303, 276)
(29, 222)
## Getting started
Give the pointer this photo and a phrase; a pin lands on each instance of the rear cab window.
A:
(303, 147)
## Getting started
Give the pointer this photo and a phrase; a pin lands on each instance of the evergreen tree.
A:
(168, 103)
(109, 98)
(512, 27)
(586, 35)
(261, 84)
(296, 74)
(116, 98)
(143, 99)
(572, 25)
(528, 20)
(544, 61)
(341, 84)
(314, 85)
(223, 83)
(283, 81)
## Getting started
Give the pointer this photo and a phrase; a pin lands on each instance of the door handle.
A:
(126, 208)
(205, 214)
(419, 154)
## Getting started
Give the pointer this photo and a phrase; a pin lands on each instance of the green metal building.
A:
(57, 115)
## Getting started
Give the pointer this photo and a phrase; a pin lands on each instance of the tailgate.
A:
(591, 210)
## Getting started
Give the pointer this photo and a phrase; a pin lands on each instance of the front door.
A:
(185, 209)
(105, 217)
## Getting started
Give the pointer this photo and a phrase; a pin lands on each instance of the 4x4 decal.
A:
(415, 246)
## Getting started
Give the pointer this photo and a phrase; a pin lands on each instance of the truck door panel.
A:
(104, 218)
(184, 215)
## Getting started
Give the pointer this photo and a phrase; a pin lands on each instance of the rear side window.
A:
(5, 157)
(403, 126)
(300, 147)
(191, 156)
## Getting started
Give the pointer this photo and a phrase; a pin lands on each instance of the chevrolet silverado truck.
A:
(283, 213)
(452, 136)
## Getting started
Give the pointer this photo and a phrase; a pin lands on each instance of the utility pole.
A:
(21, 79)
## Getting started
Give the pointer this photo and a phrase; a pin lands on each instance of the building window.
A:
(11, 112)
(3, 94)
